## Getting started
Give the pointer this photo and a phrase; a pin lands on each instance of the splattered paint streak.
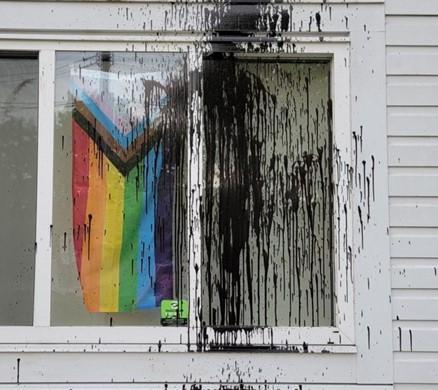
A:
(267, 210)
(128, 159)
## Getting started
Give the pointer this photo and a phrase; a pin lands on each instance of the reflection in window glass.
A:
(267, 226)
(18, 174)
(119, 187)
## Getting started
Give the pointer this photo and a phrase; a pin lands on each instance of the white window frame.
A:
(338, 338)
(44, 337)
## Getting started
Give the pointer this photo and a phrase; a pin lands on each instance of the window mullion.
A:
(194, 194)
(44, 188)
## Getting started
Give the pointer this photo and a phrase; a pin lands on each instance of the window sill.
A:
(66, 339)
(156, 348)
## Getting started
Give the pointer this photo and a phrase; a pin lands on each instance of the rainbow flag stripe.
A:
(118, 215)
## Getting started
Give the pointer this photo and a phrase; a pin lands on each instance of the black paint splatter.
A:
(267, 195)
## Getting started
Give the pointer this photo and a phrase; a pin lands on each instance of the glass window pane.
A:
(18, 173)
(267, 225)
(119, 187)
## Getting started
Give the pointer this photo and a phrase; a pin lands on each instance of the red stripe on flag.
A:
(79, 189)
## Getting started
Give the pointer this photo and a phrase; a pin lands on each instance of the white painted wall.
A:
(412, 88)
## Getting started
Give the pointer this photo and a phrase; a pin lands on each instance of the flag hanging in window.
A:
(125, 163)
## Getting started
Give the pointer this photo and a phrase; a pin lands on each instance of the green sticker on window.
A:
(174, 312)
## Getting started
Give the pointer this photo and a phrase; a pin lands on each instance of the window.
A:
(276, 218)
(211, 193)
(267, 226)
(18, 173)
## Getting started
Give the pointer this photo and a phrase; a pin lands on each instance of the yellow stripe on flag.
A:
(112, 243)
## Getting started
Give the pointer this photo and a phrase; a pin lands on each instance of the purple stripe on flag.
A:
(163, 237)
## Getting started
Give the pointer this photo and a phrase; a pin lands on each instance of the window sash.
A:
(288, 338)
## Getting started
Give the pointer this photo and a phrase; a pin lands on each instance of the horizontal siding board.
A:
(415, 367)
(413, 121)
(177, 368)
(413, 212)
(409, 243)
(412, 30)
(156, 16)
(413, 181)
(415, 337)
(411, 7)
(414, 61)
(414, 273)
(8, 369)
(410, 304)
(413, 151)
(413, 90)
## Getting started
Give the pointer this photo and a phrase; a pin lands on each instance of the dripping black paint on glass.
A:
(267, 201)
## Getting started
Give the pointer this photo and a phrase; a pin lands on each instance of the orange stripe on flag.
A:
(95, 221)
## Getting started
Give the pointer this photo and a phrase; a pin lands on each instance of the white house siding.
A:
(412, 96)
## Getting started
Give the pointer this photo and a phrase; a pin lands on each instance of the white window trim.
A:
(42, 336)
(43, 255)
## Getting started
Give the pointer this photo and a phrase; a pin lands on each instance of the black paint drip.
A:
(266, 212)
